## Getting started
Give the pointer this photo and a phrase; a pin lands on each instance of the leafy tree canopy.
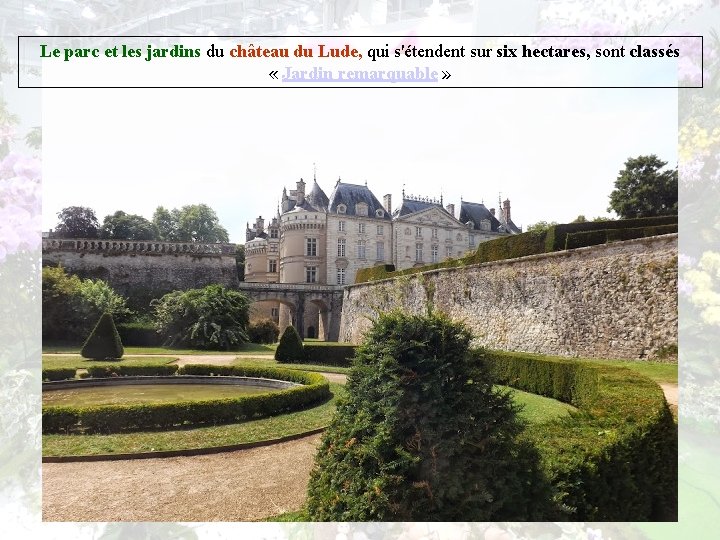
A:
(643, 189)
(191, 223)
(77, 222)
(210, 318)
(240, 261)
(124, 226)
(540, 226)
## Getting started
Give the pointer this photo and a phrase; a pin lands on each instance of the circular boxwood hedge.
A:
(614, 460)
(313, 388)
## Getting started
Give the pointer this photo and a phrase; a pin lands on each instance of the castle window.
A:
(341, 247)
(418, 232)
(361, 228)
(361, 209)
(448, 252)
(434, 253)
(272, 266)
(341, 226)
(274, 233)
(379, 213)
(485, 225)
(418, 252)
(472, 240)
(341, 209)
(361, 249)
(380, 230)
(380, 251)
(434, 233)
(310, 274)
(341, 276)
(311, 247)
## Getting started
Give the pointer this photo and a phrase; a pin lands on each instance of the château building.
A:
(326, 240)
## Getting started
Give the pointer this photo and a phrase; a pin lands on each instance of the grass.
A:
(247, 348)
(78, 362)
(660, 372)
(538, 409)
(206, 437)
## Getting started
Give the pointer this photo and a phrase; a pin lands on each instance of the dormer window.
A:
(379, 213)
(361, 209)
(485, 225)
(341, 209)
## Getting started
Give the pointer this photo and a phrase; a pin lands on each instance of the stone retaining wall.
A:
(617, 300)
(145, 270)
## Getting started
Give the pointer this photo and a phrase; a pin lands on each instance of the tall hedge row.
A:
(615, 460)
(328, 353)
(603, 236)
(121, 418)
(557, 235)
(556, 238)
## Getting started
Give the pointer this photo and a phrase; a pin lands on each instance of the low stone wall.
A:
(617, 300)
(145, 270)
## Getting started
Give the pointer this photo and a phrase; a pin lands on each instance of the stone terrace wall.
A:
(617, 300)
(145, 270)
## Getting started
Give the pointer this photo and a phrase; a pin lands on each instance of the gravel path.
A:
(246, 485)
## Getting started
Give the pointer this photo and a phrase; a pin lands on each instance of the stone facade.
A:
(144, 270)
(617, 300)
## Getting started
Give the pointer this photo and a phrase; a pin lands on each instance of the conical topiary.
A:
(290, 348)
(423, 435)
(104, 341)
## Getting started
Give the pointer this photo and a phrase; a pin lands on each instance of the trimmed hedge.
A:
(116, 370)
(556, 238)
(615, 460)
(329, 354)
(505, 247)
(58, 374)
(121, 418)
(557, 235)
(139, 335)
(593, 238)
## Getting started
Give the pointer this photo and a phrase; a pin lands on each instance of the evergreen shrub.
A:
(422, 435)
(104, 341)
(290, 348)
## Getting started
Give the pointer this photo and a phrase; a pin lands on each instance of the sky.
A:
(554, 153)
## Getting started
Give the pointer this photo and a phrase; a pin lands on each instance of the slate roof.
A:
(350, 195)
(410, 206)
(317, 197)
(476, 212)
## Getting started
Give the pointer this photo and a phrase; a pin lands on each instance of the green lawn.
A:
(246, 432)
(538, 409)
(78, 362)
(248, 348)
(660, 372)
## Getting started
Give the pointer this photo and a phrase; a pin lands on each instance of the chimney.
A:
(259, 224)
(492, 211)
(387, 203)
(300, 192)
(506, 210)
(451, 209)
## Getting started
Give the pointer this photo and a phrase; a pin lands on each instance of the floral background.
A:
(699, 304)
